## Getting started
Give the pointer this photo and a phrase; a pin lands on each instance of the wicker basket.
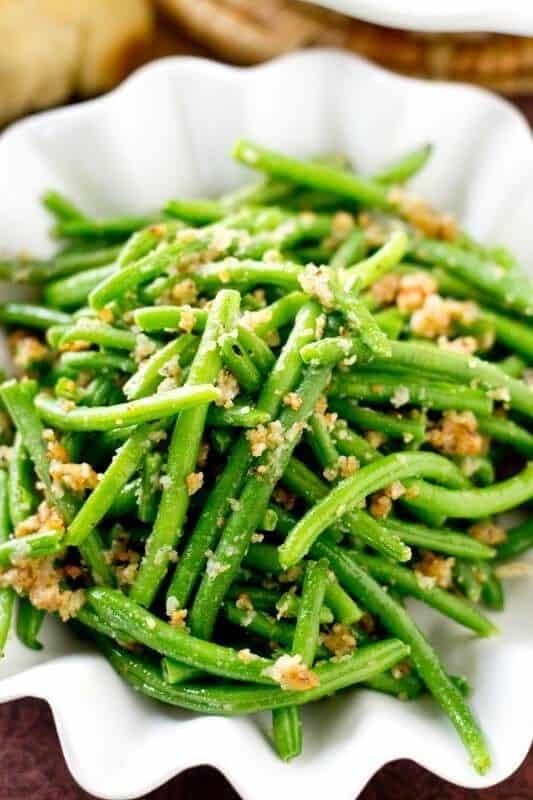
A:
(251, 31)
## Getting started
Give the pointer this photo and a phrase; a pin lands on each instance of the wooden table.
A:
(32, 766)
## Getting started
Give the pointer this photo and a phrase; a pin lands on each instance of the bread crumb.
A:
(184, 292)
(315, 282)
(194, 482)
(293, 400)
(436, 568)
(265, 437)
(400, 397)
(457, 434)
(514, 569)
(339, 640)
(284, 498)
(77, 477)
(291, 674)
(213, 568)
(177, 618)
(40, 580)
(144, 347)
(438, 315)
(246, 656)
(229, 388)
(187, 319)
(488, 532)
(375, 438)
(46, 518)
(417, 211)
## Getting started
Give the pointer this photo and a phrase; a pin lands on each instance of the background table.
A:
(32, 766)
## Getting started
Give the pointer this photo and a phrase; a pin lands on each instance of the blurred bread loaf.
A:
(53, 49)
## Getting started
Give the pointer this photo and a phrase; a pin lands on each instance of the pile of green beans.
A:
(230, 467)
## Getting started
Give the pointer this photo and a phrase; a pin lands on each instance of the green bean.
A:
(112, 229)
(125, 502)
(96, 362)
(7, 594)
(492, 592)
(32, 316)
(350, 251)
(230, 700)
(206, 532)
(446, 541)
(135, 412)
(246, 274)
(507, 432)
(237, 416)
(35, 545)
(358, 317)
(261, 598)
(136, 623)
(253, 502)
(29, 621)
(474, 503)
(305, 642)
(95, 332)
(313, 175)
(409, 429)
(19, 400)
(407, 581)
(21, 496)
(304, 483)
(321, 442)
(149, 375)
(259, 352)
(510, 289)
(265, 559)
(288, 605)
(170, 318)
(396, 620)
(519, 540)
(287, 726)
(277, 315)
(513, 366)
(73, 291)
(349, 492)
(379, 387)
(391, 321)
(407, 687)
(61, 207)
(175, 672)
(149, 494)
(92, 553)
(260, 624)
(362, 275)
(405, 167)
(195, 212)
(467, 579)
(349, 443)
(287, 732)
(183, 453)
(236, 360)
(517, 336)
(122, 468)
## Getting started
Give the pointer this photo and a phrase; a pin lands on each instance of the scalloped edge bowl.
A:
(459, 16)
(169, 130)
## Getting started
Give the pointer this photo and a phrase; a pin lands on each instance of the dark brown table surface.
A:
(32, 766)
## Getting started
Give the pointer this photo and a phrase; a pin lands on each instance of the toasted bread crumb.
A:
(457, 434)
(339, 640)
(194, 482)
(291, 674)
(436, 568)
(488, 532)
(265, 437)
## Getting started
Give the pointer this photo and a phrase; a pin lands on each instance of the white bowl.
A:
(490, 16)
(169, 131)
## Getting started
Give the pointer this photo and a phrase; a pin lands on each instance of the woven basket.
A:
(251, 31)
